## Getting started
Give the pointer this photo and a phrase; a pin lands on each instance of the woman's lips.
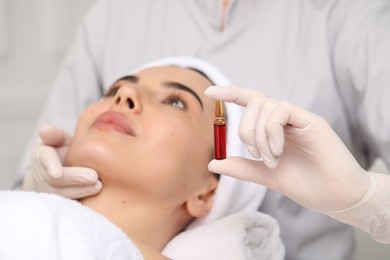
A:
(113, 121)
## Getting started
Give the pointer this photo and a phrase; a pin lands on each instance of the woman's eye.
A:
(176, 102)
(111, 91)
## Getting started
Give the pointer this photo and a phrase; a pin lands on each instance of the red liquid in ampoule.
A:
(220, 142)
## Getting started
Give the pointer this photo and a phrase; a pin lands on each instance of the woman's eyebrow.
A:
(130, 79)
(168, 84)
(176, 85)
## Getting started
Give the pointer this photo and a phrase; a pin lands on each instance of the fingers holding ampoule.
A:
(253, 124)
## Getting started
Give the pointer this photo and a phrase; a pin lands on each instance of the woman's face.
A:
(151, 134)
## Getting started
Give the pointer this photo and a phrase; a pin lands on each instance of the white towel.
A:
(242, 236)
(232, 195)
(45, 226)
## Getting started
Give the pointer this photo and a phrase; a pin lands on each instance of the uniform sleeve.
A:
(78, 83)
(372, 213)
(360, 40)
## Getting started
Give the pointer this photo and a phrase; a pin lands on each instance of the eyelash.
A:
(175, 99)
(170, 100)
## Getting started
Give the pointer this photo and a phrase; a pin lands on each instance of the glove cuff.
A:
(372, 213)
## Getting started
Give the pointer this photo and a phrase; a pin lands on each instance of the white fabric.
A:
(232, 195)
(328, 56)
(242, 236)
(38, 226)
(45, 226)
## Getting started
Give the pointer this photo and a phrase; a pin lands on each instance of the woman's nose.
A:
(128, 98)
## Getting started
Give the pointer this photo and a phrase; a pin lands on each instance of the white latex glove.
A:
(47, 173)
(301, 156)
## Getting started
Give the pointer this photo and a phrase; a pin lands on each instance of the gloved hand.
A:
(47, 173)
(298, 153)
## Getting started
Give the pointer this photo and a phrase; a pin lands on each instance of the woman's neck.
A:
(149, 223)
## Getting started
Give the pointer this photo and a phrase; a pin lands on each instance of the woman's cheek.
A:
(84, 123)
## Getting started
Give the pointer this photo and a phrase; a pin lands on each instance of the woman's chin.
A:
(90, 153)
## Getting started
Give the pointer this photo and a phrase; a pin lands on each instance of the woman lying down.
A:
(150, 139)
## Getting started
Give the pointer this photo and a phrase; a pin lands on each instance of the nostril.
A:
(117, 101)
(130, 103)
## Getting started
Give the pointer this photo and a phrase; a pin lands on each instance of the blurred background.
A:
(34, 37)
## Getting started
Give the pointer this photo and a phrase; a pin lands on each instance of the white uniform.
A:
(331, 57)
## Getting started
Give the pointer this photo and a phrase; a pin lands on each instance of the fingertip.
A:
(211, 165)
(55, 172)
(276, 140)
(271, 163)
(91, 175)
(254, 152)
(216, 166)
(53, 136)
(276, 150)
(85, 176)
(98, 186)
(46, 129)
(210, 91)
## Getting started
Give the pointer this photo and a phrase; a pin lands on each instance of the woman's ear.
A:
(200, 203)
